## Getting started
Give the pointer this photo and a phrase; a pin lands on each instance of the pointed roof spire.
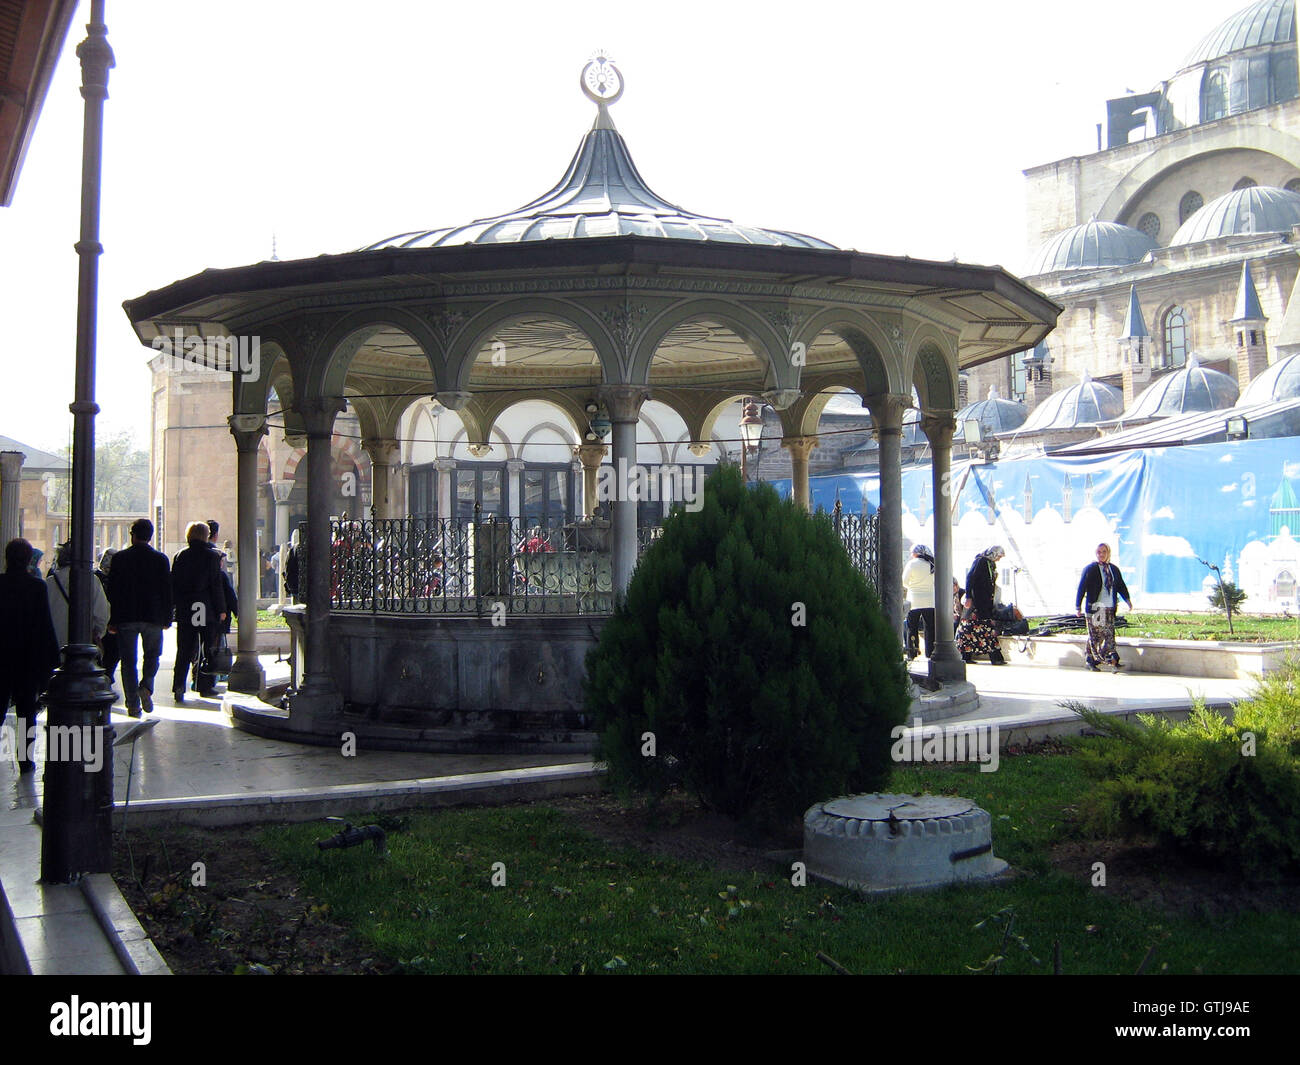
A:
(1248, 308)
(1135, 326)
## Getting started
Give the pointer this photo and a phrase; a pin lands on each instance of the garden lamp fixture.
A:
(751, 432)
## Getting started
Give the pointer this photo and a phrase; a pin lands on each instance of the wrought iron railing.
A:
(450, 566)
(453, 566)
(860, 535)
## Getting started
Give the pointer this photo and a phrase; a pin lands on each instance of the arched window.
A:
(1245, 183)
(1214, 96)
(1150, 225)
(1175, 336)
(1189, 205)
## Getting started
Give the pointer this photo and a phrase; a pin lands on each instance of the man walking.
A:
(140, 604)
(29, 651)
(199, 594)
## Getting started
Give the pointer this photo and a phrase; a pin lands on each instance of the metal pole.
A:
(78, 804)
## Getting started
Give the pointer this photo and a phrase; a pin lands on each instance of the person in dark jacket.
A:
(978, 632)
(109, 652)
(1101, 587)
(29, 651)
(199, 594)
(140, 607)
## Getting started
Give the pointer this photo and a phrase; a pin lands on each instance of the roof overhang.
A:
(994, 313)
(31, 37)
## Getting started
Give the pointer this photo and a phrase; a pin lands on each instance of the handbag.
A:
(219, 656)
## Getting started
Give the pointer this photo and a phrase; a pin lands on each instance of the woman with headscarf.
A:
(1101, 588)
(978, 632)
(918, 582)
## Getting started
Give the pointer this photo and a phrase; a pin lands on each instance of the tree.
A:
(750, 660)
(121, 478)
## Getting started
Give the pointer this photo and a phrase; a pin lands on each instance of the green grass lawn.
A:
(571, 903)
(267, 620)
(1257, 628)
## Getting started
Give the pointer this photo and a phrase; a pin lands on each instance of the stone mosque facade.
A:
(1186, 218)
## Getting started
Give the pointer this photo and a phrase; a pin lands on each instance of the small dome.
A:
(1086, 403)
(995, 414)
(1280, 381)
(1258, 209)
(1264, 23)
(1191, 389)
(1091, 245)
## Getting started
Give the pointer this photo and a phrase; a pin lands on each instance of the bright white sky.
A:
(896, 128)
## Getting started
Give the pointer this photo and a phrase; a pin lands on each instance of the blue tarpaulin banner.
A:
(1161, 510)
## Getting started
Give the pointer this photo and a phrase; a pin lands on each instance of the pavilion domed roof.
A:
(602, 194)
(1192, 389)
(995, 414)
(1258, 209)
(1266, 22)
(1280, 381)
(1091, 245)
(1086, 403)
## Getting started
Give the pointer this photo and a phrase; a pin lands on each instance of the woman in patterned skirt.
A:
(1101, 588)
(978, 632)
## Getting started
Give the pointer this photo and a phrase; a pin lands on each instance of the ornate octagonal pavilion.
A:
(597, 293)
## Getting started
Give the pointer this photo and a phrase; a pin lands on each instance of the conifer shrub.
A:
(757, 657)
(1228, 790)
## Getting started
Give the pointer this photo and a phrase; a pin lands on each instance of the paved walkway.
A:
(193, 765)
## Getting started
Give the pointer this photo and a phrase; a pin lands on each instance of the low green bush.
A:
(756, 655)
(1229, 790)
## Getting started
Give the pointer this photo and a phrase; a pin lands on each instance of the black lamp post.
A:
(77, 815)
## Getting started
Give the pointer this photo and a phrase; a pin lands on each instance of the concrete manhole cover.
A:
(882, 842)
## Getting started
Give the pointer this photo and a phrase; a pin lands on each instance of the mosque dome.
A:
(1086, 403)
(1258, 209)
(600, 195)
(1280, 381)
(1091, 245)
(1268, 22)
(1193, 388)
(995, 414)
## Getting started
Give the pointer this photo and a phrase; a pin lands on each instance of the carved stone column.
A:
(11, 483)
(800, 448)
(624, 405)
(383, 453)
(946, 665)
(591, 456)
(319, 695)
(445, 468)
(887, 414)
(514, 489)
(246, 673)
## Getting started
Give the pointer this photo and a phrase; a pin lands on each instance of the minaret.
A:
(1134, 350)
(1248, 326)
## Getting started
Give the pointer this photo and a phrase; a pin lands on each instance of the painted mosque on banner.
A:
(1174, 250)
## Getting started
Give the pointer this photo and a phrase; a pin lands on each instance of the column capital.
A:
(514, 466)
(591, 455)
(318, 416)
(444, 465)
(799, 446)
(623, 401)
(453, 401)
(383, 451)
(247, 429)
(11, 464)
(939, 428)
(887, 410)
(282, 491)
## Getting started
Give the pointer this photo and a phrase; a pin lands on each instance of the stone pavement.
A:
(194, 766)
